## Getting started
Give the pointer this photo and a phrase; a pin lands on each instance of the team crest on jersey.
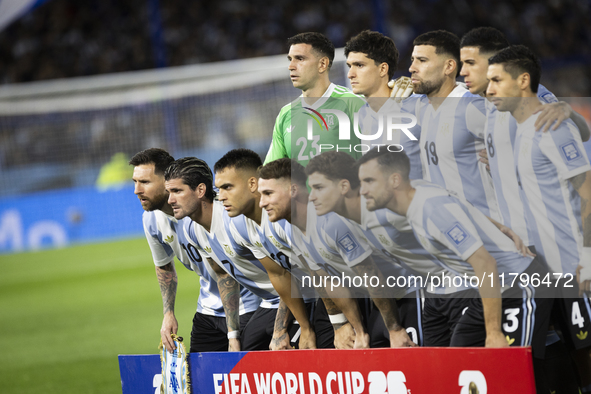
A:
(258, 244)
(323, 253)
(306, 255)
(348, 243)
(169, 239)
(275, 242)
(330, 120)
(207, 249)
(228, 250)
(444, 129)
(570, 151)
(383, 240)
(457, 234)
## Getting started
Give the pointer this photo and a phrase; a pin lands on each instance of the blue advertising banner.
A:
(63, 217)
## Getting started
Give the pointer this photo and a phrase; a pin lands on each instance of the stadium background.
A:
(85, 85)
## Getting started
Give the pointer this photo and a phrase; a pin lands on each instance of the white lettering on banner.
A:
(157, 382)
(393, 384)
(291, 383)
(341, 382)
(277, 377)
(263, 385)
(50, 229)
(472, 382)
(217, 377)
(345, 126)
(233, 384)
(12, 232)
(315, 383)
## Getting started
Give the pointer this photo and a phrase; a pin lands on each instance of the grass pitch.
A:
(66, 314)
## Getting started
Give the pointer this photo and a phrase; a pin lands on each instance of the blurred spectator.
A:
(68, 38)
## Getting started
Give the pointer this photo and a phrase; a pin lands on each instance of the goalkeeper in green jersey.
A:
(322, 118)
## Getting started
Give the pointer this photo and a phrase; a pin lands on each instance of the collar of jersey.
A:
(169, 217)
(321, 100)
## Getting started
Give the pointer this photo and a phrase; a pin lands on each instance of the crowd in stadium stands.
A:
(66, 38)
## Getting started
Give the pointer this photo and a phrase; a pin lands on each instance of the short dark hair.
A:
(394, 161)
(377, 47)
(335, 166)
(239, 159)
(486, 39)
(159, 157)
(319, 42)
(283, 168)
(444, 42)
(193, 172)
(519, 59)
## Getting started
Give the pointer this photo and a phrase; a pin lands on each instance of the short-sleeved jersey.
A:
(237, 260)
(290, 134)
(264, 241)
(451, 138)
(452, 230)
(545, 162)
(392, 235)
(167, 238)
(248, 233)
(372, 123)
(500, 132)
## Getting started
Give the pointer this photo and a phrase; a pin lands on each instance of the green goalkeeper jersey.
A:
(298, 121)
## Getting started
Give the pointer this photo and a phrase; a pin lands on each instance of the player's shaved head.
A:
(390, 161)
(319, 43)
(519, 59)
(193, 172)
(159, 157)
(486, 39)
(335, 166)
(445, 43)
(284, 168)
(377, 47)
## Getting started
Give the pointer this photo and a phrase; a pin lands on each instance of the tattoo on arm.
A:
(283, 317)
(331, 308)
(379, 295)
(167, 280)
(230, 295)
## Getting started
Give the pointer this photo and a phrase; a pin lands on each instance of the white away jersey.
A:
(451, 138)
(545, 162)
(500, 132)
(237, 260)
(452, 230)
(166, 238)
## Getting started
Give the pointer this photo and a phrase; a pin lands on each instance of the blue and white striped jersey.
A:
(264, 241)
(500, 132)
(452, 229)
(166, 238)
(545, 162)
(373, 123)
(392, 235)
(248, 233)
(451, 138)
(237, 260)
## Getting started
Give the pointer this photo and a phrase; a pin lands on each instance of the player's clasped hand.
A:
(400, 338)
(344, 337)
(496, 339)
